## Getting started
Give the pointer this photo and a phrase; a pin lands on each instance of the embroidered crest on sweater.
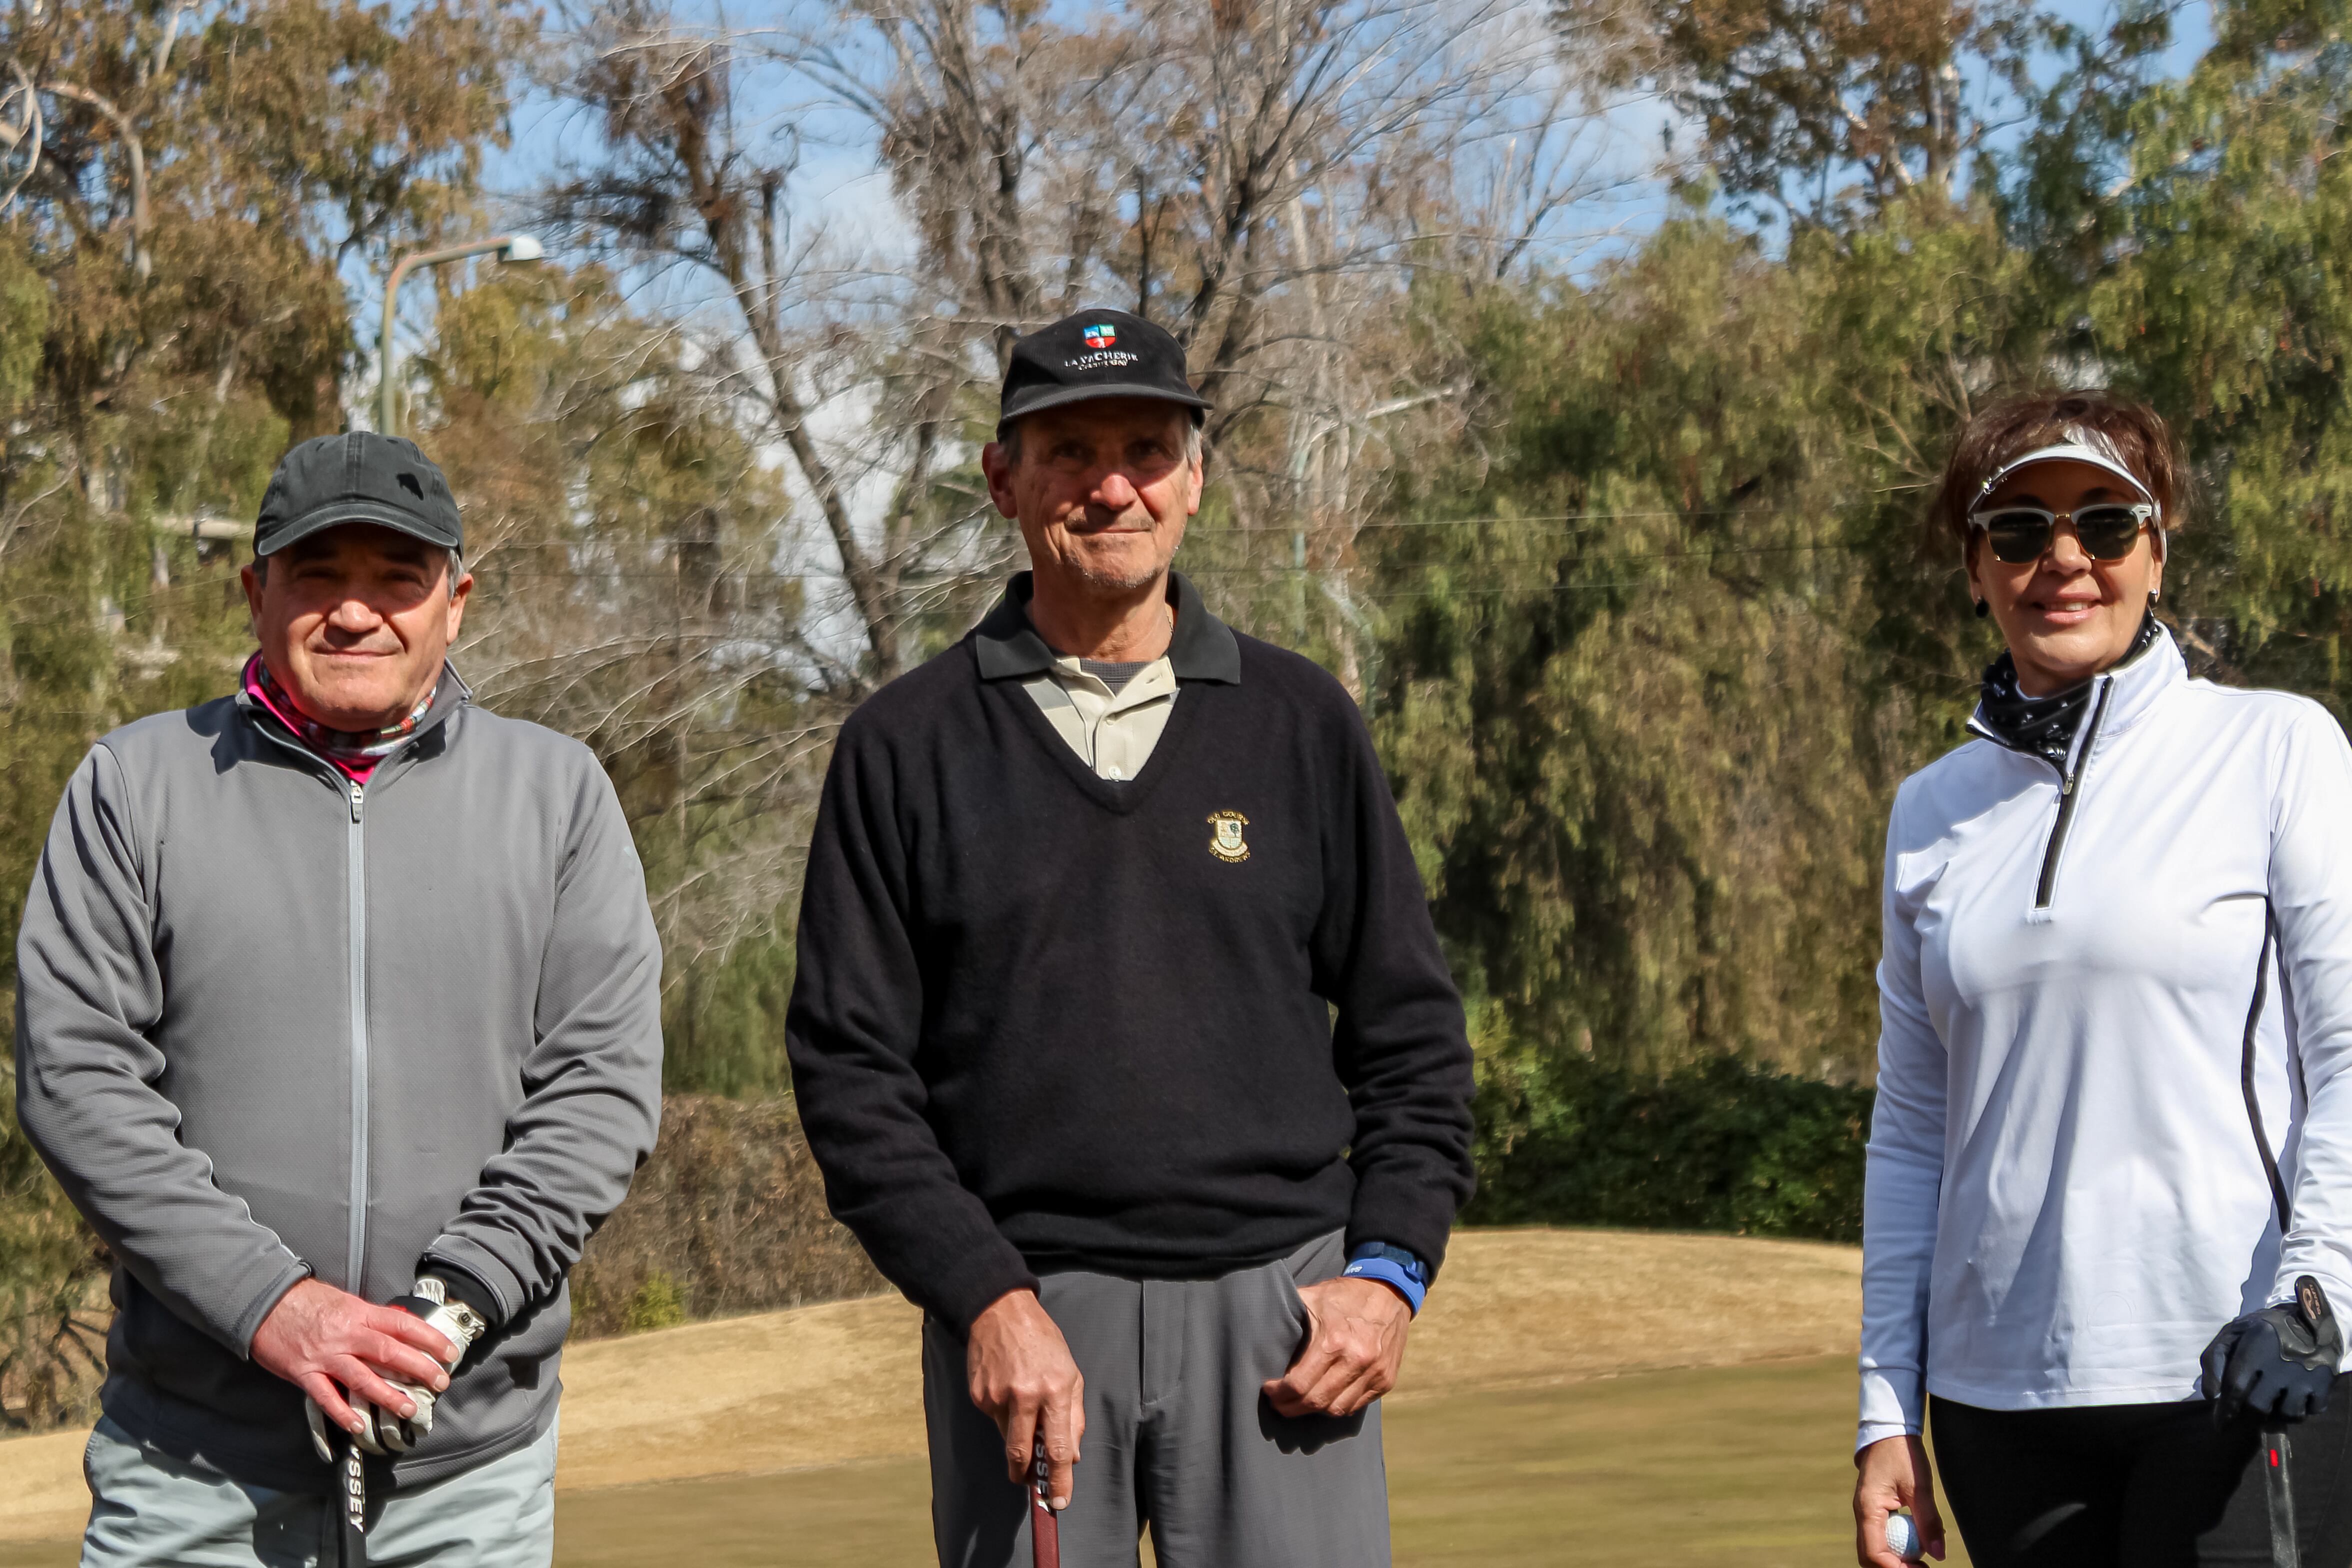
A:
(1227, 843)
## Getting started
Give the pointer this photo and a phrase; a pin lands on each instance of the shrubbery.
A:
(729, 1215)
(53, 1309)
(1720, 1145)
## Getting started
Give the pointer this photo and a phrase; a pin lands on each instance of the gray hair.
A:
(1008, 438)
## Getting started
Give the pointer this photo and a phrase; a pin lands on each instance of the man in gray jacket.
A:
(337, 1015)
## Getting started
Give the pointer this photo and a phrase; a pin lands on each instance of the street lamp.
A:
(510, 247)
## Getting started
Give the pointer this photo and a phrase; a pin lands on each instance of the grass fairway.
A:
(1535, 1425)
(1745, 1465)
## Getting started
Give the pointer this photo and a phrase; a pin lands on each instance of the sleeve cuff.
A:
(256, 1311)
(972, 1284)
(473, 1259)
(465, 1286)
(1879, 1431)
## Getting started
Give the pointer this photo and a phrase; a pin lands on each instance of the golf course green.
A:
(1734, 1464)
(1742, 1464)
(1545, 1417)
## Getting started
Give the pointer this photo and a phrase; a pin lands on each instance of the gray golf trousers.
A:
(1180, 1438)
(149, 1509)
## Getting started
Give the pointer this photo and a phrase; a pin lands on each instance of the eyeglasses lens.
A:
(2107, 533)
(2021, 535)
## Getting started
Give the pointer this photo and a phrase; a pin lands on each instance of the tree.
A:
(686, 177)
(619, 525)
(180, 185)
(1263, 179)
(2223, 301)
(1820, 107)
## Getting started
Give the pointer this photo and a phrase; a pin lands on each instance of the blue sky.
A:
(841, 184)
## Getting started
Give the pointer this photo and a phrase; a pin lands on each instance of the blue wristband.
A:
(1393, 1266)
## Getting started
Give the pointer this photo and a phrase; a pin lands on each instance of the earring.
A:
(2153, 595)
(1983, 609)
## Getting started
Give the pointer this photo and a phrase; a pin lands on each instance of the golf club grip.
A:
(1044, 1532)
(2279, 1487)
(1045, 1525)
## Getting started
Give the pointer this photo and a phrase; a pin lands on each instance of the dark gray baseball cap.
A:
(357, 477)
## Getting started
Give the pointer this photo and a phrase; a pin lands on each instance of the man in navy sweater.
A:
(1121, 1029)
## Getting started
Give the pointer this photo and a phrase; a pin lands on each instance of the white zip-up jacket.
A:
(2067, 1190)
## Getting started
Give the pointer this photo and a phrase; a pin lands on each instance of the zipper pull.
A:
(358, 794)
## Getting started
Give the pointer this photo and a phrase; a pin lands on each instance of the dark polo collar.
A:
(1009, 647)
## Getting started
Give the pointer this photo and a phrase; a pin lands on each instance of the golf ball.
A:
(1902, 1537)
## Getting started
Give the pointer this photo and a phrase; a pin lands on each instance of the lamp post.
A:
(510, 247)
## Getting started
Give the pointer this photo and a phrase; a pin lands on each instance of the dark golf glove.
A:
(2277, 1363)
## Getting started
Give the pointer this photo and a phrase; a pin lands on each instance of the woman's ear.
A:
(1968, 565)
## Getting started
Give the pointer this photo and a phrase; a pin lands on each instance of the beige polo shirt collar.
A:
(1113, 733)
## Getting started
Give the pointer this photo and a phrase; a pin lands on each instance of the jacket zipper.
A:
(355, 958)
(355, 881)
(2070, 793)
(355, 878)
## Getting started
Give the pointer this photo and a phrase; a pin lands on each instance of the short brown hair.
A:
(2025, 421)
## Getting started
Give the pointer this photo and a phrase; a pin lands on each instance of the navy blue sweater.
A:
(1163, 1028)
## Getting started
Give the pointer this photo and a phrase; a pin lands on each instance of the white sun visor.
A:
(2081, 445)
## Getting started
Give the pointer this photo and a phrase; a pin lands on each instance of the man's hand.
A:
(1021, 1374)
(324, 1340)
(1894, 1474)
(1355, 1346)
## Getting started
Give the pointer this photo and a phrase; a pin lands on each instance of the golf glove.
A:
(383, 1432)
(2279, 1362)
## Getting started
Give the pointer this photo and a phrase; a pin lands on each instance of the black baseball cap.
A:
(357, 477)
(1095, 353)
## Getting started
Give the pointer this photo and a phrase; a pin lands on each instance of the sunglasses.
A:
(2019, 534)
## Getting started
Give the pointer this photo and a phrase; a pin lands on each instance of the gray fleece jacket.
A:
(270, 1023)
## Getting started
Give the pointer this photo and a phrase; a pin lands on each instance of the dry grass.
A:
(1528, 1307)
(840, 1386)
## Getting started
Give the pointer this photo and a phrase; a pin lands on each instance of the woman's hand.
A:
(1894, 1474)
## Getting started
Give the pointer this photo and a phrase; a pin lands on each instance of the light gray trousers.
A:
(1180, 1435)
(149, 1509)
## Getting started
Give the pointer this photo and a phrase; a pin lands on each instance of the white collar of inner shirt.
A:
(1157, 678)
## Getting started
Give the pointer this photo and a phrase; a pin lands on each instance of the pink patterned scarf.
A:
(353, 752)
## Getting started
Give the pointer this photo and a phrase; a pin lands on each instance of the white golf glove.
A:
(382, 1431)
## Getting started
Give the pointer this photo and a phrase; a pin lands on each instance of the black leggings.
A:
(2150, 1486)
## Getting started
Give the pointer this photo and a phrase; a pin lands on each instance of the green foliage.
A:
(1717, 1145)
(656, 1305)
(722, 1022)
(620, 531)
(2235, 315)
(1642, 616)
(1630, 701)
(23, 317)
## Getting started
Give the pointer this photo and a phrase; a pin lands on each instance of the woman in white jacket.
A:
(2110, 1177)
